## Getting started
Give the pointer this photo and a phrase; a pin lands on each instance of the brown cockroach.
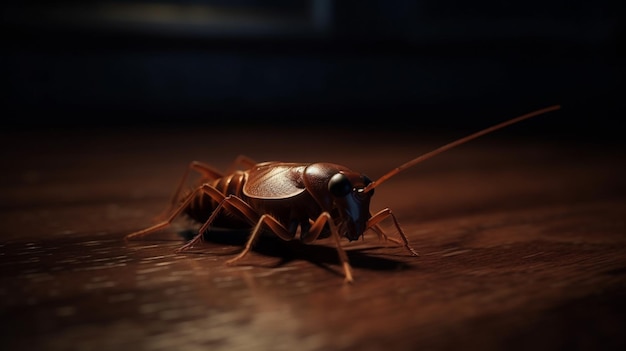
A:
(319, 199)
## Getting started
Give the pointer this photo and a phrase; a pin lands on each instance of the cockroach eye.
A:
(339, 185)
(367, 181)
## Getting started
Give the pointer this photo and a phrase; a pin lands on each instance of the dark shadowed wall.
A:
(319, 63)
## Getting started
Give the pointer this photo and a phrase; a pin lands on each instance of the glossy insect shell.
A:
(332, 187)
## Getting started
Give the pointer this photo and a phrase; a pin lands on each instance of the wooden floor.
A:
(522, 246)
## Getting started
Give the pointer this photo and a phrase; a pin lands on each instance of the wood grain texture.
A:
(522, 246)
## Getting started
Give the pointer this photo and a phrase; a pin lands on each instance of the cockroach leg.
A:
(386, 213)
(273, 225)
(207, 173)
(316, 230)
(382, 236)
(230, 204)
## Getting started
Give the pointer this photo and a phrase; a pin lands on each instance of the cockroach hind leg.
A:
(412, 251)
(141, 233)
(190, 244)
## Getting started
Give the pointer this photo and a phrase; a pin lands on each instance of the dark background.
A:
(521, 241)
(366, 65)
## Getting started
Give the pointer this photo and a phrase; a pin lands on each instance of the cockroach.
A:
(318, 200)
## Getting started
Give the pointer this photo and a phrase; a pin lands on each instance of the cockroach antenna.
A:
(455, 143)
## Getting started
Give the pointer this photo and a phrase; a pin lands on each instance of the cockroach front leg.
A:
(372, 223)
(382, 235)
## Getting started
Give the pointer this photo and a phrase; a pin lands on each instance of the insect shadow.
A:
(287, 251)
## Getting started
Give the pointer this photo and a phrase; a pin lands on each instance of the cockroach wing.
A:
(274, 180)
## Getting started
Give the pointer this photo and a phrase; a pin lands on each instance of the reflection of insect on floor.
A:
(317, 200)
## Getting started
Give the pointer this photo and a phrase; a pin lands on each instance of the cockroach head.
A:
(351, 201)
